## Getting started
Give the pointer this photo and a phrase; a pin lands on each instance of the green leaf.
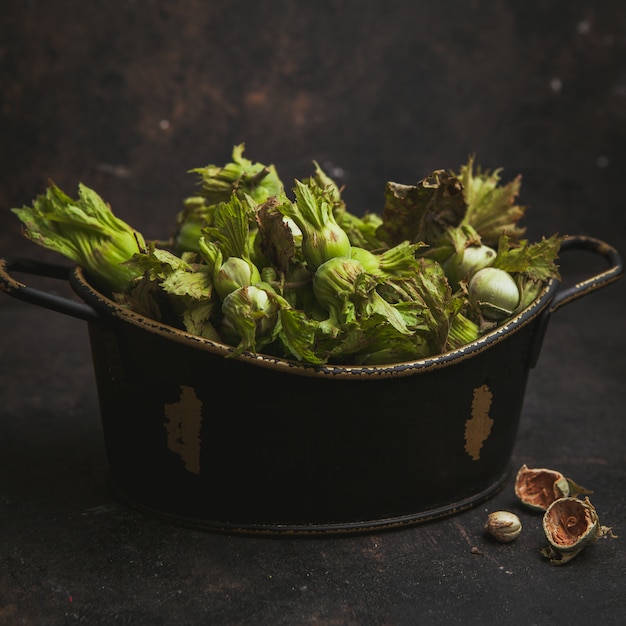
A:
(491, 208)
(298, 335)
(156, 263)
(361, 231)
(175, 290)
(196, 283)
(197, 319)
(231, 226)
(535, 260)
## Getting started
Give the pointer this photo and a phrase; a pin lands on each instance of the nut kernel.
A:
(503, 526)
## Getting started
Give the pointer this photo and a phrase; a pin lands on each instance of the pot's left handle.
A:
(19, 290)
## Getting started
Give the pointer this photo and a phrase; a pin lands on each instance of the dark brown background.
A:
(126, 97)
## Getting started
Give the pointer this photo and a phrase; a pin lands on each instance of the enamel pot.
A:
(259, 444)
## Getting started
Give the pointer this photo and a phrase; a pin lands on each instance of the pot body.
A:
(227, 444)
(257, 444)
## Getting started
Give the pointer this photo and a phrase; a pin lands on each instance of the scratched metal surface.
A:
(126, 97)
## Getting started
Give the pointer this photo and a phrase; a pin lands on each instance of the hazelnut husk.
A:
(570, 525)
(538, 488)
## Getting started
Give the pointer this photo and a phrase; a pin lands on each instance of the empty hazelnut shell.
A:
(539, 488)
(570, 524)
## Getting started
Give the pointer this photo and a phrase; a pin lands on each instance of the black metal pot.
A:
(260, 444)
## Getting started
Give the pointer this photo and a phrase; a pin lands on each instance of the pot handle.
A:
(613, 273)
(569, 294)
(19, 290)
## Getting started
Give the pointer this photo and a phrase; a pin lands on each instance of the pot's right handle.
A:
(44, 299)
(569, 294)
(616, 269)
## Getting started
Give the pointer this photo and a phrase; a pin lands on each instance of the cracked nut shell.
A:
(538, 488)
(570, 525)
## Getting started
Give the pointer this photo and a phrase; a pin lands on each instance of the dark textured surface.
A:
(126, 97)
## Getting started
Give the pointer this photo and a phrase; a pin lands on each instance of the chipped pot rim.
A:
(106, 307)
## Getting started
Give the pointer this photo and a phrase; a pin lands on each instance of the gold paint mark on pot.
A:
(183, 422)
(478, 428)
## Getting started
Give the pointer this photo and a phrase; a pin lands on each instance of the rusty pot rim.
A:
(107, 307)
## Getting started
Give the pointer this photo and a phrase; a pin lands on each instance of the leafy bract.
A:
(86, 231)
(491, 207)
(421, 212)
(312, 211)
(305, 278)
(276, 239)
(241, 176)
(535, 260)
(172, 289)
(230, 229)
(218, 183)
(531, 264)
